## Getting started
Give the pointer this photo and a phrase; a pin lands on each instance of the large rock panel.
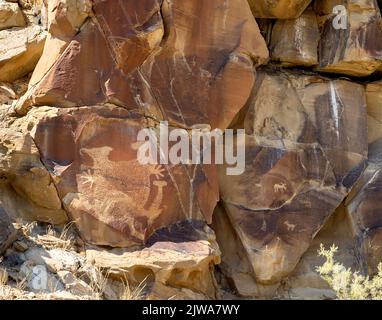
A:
(92, 154)
(364, 203)
(198, 70)
(303, 155)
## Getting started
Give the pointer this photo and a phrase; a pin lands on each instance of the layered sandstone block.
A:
(295, 41)
(11, 15)
(139, 67)
(337, 37)
(365, 202)
(169, 269)
(27, 190)
(306, 146)
(20, 51)
(284, 9)
(190, 75)
(357, 49)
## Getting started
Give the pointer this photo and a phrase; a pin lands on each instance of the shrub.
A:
(347, 284)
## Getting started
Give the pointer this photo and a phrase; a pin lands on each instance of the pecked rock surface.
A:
(108, 70)
(303, 155)
(114, 199)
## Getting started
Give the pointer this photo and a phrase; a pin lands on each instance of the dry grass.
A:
(3, 277)
(102, 287)
(98, 281)
(132, 294)
(51, 239)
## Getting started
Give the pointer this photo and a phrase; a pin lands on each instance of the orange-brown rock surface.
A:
(355, 49)
(283, 9)
(306, 146)
(79, 79)
(364, 203)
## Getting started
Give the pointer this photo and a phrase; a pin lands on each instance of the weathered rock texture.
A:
(10, 15)
(20, 51)
(356, 49)
(7, 232)
(365, 201)
(295, 41)
(135, 59)
(80, 78)
(169, 269)
(284, 9)
(335, 41)
(306, 146)
(109, 69)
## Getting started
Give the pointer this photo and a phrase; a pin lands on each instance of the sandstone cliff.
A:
(80, 79)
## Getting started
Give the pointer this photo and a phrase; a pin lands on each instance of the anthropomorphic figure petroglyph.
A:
(128, 181)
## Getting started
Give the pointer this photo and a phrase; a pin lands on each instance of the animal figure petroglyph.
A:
(290, 226)
(280, 187)
(128, 186)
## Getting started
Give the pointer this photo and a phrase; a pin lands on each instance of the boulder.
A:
(20, 50)
(8, 234)
(283, 9)
(91, 153)
(303, 155)
(187, 266)
(38, 279)
(364, 203)
(357, 49)
(26, 187)
(305, 283)
(55, 260)
(190, 75)
(64, 19)
(11, 15)
(294, 42)
(74, 285)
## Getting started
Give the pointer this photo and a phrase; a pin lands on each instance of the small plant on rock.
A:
(347, 284)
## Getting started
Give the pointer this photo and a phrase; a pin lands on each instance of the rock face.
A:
(184, 268)
(353, 50)
(364, 203)
(183, 56)
(7, 232)
(303, 154)
(284, 9)
(113, 198)
(81, 79)
(11, 15)
(20, 51)
(295, 41)
(332, 36)
(27, 189)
